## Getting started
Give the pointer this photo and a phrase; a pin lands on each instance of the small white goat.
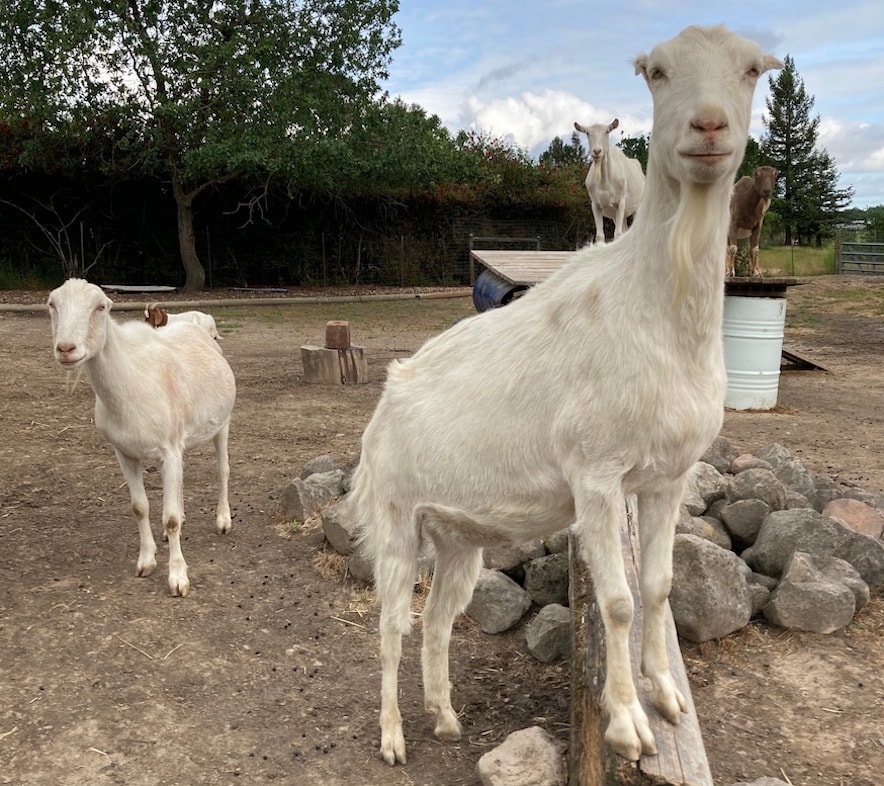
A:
(605, 380)
(157, 393)
(156, 316)
(614, 182)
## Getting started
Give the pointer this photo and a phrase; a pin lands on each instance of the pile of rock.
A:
(757, 535)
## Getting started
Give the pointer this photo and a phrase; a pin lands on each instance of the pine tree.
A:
(807, 175)
(560, 154)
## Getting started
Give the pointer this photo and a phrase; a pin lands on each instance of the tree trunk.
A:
(195, 280)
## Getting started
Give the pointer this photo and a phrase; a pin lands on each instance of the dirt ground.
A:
(268, 671)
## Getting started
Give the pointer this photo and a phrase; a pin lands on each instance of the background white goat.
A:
(156, 316)
(614, 181)
(157, 393)
(605, 380)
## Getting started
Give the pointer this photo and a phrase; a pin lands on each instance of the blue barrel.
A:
(491, 291)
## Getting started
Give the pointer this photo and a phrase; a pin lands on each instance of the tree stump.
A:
(681, 756)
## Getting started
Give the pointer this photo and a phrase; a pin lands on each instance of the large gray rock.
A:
(498, 602)
(744, 517)
(786, 531)
(547, 579)
(720, 454)
(710, 595)
(548, 635)
(509, 556)
(303, 497)
(758, 484)
(707, 527)
(340, 526)
(530, 757)
(705, 485)
(806, 599)
(319, 464)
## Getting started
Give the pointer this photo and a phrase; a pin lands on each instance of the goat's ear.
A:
(772, 63)
(614, 123)
(579, 127)
(641, 66)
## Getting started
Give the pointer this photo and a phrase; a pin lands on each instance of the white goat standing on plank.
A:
(605, 380)
(614, 182)
(157, 393)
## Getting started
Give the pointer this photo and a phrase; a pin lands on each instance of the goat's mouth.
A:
(709, 159)
(69, 363)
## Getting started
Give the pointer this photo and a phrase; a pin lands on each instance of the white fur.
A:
(157, 393)
(156, 316)
(614, 182)
(605, 380)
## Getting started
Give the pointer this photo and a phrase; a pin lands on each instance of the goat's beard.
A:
(696, 230)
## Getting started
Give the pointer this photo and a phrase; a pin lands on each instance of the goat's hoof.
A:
(223, 526)
(629, 735)
(447, 727)
(144, 569)
(393, 746)
(179, 587)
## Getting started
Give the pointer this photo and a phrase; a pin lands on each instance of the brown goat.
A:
(749, 202)
(155, 315)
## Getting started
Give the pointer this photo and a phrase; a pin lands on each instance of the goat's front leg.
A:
(147, 551)
(600, 518)
(173, 520)
(222, 511)
(599, 219)
(620, 220)
(657, 516)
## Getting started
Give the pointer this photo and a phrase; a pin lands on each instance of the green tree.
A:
(560, 154)
(203, 90)
(807, 175)
(636, 147)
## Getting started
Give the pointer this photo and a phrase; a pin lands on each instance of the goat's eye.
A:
(753, 72)
(656, 74)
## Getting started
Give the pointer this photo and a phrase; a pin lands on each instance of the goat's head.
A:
(155, 316)
(597, 137)
(765, 178)
(79, 312)
(702, 82)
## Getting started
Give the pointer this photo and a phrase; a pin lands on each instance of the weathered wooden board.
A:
(681, 757)
(521, 267)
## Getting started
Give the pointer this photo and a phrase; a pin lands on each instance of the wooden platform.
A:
(519, 267)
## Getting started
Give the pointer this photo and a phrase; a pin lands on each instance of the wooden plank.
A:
(521, 267)
(681, 757)
(796, 362)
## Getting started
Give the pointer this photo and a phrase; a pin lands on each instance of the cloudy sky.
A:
(527, 69)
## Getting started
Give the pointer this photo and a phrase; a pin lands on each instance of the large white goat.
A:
(605, 380)
(157, 393)
(614, 182)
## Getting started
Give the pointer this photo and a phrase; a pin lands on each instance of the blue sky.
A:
(525, 70)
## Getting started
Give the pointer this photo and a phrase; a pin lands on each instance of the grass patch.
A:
(797, 261)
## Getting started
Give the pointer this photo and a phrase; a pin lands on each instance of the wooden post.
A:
(681, 757)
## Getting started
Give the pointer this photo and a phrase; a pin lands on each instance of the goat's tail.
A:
(389, 538)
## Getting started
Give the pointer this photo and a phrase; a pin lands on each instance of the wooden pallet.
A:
(523, 268)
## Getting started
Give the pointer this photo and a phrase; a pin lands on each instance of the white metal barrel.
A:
(753, 344)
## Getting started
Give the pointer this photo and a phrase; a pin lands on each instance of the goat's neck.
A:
(112, 372)
(688, 223)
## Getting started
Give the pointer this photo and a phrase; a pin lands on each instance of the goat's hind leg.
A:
(457, 539)
(173, 520)
(223, 520)
(395, 571)
(147, 550)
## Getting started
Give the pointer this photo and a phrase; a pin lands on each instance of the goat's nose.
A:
(65, 349)
(709, 120)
